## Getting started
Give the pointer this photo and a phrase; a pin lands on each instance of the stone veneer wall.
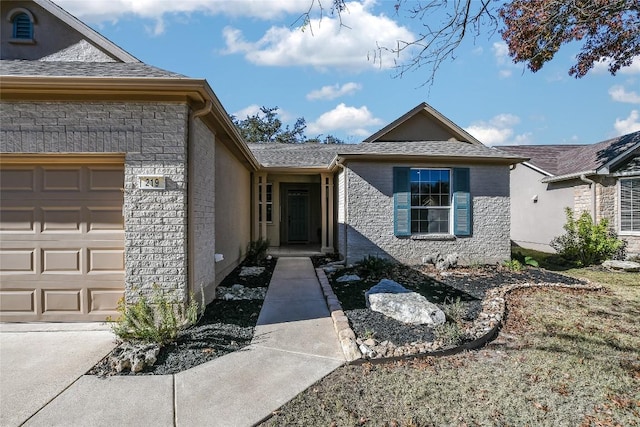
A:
(369, 217)
(202, 193)
(153, 137)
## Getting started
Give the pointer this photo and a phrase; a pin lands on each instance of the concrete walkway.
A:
(294, 346)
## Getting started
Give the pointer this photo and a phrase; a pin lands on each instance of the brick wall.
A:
(153, 138)
(202, 213)
(369, 217)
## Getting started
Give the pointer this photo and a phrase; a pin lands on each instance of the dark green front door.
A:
(298, 221)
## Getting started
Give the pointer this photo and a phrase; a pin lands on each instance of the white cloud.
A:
(628, 125)
(248, 111)
(499, 130)
(601, 67)
(96, 11)
(352, 120)
(325, 43)
(334, 91)
(503, 60)
(618, 93)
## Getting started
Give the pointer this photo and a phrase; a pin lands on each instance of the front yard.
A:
(562, 358)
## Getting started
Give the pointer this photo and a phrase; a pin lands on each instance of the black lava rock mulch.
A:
(371, 324)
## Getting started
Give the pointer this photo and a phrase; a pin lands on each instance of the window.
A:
(22, 26)
(430, 200)
(630, 205)
(427, 201)
(269, 201)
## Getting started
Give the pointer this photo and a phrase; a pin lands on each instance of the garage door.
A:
(61, 240)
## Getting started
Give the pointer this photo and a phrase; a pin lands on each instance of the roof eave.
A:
(295, 170)
(342, 158)
(605, 169)
(566, 177)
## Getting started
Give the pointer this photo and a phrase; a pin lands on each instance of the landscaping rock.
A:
(251, 271)
(239, 292)
(394, 300)
(628, 266)
(449, 261)
(134, 356)
(348, 278)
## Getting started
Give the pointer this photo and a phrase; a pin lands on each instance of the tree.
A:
(266, 127)
(534, 30)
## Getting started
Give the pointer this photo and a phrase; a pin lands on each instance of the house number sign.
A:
(151, 182)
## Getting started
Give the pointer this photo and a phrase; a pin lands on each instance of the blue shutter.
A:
(461, 202)
(401, 202)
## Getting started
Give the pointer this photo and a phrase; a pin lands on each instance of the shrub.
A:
(257, 251)
(513, 265)
(585, 242)
(158, 320)
(451, 334)
(454, 309)
(523, 260)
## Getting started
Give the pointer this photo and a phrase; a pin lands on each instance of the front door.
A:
(298, 220)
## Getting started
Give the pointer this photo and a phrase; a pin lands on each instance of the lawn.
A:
(563, 358)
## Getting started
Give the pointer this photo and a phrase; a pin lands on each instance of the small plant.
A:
(513, 265)
(454, 310)
(158, 320)
(373, 266)
(257, 251)
(585, 242)
(451, 334)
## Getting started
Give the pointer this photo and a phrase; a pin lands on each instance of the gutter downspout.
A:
(592, 186)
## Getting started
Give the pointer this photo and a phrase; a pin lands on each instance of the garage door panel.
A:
(56, 179)
(56, 261)
(18, 179)
(106, 179)
(17, 219)
(106, 260)
(20, 261)
(62, 219)
(18, 301)
(104, 219)
(61, 242)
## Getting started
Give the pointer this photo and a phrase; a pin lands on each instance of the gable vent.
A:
(22, 27)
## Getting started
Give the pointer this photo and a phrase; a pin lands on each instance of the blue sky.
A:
(253, 53)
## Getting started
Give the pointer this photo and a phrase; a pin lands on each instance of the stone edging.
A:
(484, 328)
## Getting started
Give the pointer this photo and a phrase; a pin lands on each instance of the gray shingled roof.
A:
(561, 160)
(544, 157)
(321, 155)
(294, 155)
(82, 69)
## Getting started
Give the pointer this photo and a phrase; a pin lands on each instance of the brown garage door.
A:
(61, 239)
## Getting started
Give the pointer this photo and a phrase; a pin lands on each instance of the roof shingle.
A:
(82, 69)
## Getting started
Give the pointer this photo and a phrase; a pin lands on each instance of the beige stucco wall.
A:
(233, 210)
(535, 224)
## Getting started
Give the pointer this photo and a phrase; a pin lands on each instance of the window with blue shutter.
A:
(462, 202)
(22, 27)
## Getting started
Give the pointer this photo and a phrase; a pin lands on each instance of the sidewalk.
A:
(294, 346)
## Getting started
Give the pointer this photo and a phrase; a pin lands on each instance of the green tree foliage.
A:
(585, 242)
(266, 127)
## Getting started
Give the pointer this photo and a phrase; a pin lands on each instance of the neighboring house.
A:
(116, 176)
(602, 179)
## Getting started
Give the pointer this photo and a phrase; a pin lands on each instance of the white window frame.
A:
(449, 207)
(269, 191)
(620, 231)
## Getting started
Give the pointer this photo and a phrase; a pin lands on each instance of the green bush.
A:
(585, 242)
(257, 251)
(158, 320)
(513, 265)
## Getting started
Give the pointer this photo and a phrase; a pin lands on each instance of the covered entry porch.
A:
(294, 211)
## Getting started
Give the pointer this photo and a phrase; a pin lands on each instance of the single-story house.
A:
(116, 176)
(602, 179)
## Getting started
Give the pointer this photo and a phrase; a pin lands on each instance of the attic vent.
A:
(22, 27)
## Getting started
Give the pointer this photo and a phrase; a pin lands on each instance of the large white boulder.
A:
(394, 300)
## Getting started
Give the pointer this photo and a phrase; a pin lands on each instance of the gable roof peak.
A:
(456, 132)
(89, 33)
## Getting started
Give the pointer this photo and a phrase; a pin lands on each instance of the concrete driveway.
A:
(38, 361)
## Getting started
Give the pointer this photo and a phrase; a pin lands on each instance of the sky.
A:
(257, 53)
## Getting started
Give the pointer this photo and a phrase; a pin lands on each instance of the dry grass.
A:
(564, 358)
